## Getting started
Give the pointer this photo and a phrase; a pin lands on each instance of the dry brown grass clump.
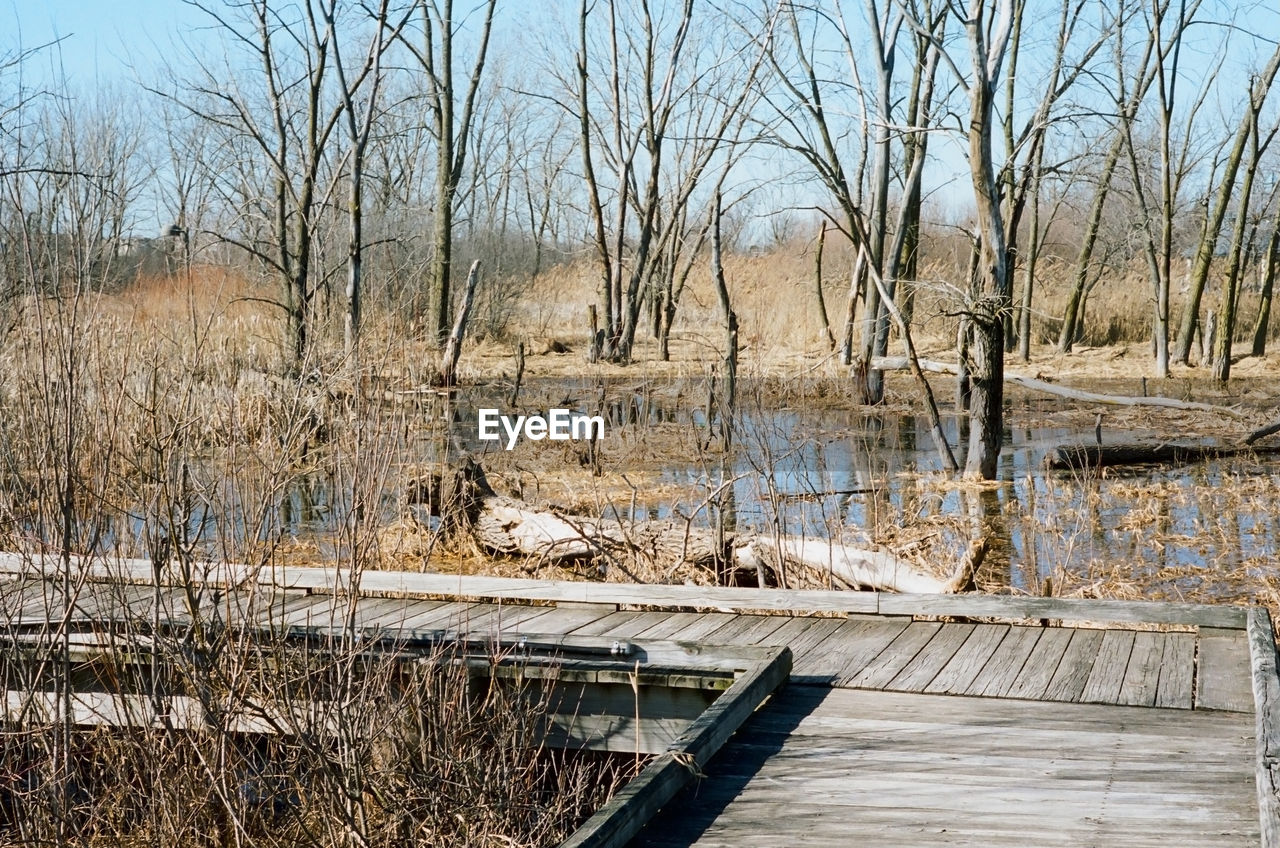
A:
(345, 749)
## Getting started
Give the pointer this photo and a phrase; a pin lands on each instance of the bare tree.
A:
(671, 101)
(364, 86)
(281, 127)
(1259, 88)
(988, 27)
(1024, 163)
(1127, 105)
(1173, 168)
(1235, 257)
(808, 99)
(451, 108)
(1270, 267)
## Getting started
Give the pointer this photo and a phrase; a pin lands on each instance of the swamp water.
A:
(1200, 531)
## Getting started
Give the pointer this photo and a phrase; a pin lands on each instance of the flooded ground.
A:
(813, 465)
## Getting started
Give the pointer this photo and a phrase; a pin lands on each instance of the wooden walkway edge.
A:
(724, 599)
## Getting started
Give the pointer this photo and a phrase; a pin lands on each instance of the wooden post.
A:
(1266, 696)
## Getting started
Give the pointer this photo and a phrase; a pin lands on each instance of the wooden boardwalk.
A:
(843, 767)
(909, 721)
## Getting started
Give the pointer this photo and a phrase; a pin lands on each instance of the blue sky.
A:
(102, 41)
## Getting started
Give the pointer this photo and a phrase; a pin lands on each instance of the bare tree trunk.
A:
(1268, 287)
(452, 121)
(453, 348)
(987, 50)
(875, 319)
(1226, 192)
(817, 285)
(729, 394)
(986, 370)
(359, 130)
(1029, 270)
(1235, 262)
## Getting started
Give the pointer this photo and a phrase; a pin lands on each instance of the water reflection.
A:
(835, 472)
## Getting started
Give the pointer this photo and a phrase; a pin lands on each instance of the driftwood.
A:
(468, 507)
(899, 363)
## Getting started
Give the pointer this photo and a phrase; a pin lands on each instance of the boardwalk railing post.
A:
(1266, 695)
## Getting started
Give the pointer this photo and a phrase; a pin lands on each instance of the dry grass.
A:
(774, 296)
(364, 749)
(176, 400)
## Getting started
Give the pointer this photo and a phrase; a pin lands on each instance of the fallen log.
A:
(855, 568)
(1080, 457)
(899, 363)
(469, 508)
(1262, 432)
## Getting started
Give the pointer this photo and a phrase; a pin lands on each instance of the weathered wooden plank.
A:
(423, 617)
(612, 716)
(675, 597)
(1177, 671)
(1107, 675)
(1222, 676)
(998, 675)
(902, 769)
(802, 636)
(125, 570)
(611, 624)
(328, 611)
(1068, 609)
(1038, 671)
(488, 621)
(924, 666)
(1048, 718)
(824, 660)
(1073, 669)
(1265, 680)
(1142, 676)
(685, 626)
(865, 642)
(745, 630)
(877, 673)
(323, 579)
(276, 607)
(448, 617)
(709, 598)
(562, 620)
(509, 620)
(973, 656)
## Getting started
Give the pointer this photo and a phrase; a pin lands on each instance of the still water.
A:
(868, 478)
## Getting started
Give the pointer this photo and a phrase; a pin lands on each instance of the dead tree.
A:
(365, 85)
(451, 109)
(453, 347)
(728, 396)
(1223, 198)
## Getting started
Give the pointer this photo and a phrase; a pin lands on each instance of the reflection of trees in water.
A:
(985, 510)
